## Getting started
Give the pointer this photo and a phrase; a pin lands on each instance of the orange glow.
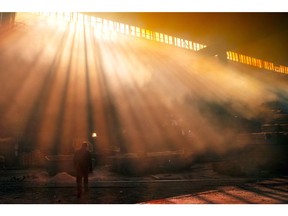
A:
(110, 27)
(94, 134)
(139, 96)
(256, 62)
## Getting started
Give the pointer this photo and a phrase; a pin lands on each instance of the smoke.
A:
(140, 96)
(176, 99)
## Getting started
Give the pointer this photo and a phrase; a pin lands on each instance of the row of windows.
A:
(256, 62)
(105, 25)
(109, 25)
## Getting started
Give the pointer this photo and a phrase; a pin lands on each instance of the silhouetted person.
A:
(83, 165)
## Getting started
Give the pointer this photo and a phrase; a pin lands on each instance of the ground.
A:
(199, 184)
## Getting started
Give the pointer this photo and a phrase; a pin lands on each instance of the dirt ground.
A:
(272, 191)
(198, 185)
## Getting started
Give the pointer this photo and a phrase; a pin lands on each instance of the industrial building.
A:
(150, 92)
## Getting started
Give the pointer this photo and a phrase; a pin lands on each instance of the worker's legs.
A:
(79, 184)
(85, 177)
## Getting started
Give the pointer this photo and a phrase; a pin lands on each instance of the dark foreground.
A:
(197, 185)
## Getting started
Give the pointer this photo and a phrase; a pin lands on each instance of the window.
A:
(191, 45)
(259, 63)
(122, 28)
(195, 46)
(127, 29)
(254, 62)
(178, 42)
(117, 26)
(143, 33)
(137, 31)
(93, 21)
(157, 36)
(86, 19)
(133, 30)
(161, 37)
(185, 44)
(148, 35)
(99, 24)
(105, 25)
(111, 25)
(170, 40)
(166, 39)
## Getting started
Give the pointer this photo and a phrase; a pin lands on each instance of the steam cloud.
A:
(137, 95)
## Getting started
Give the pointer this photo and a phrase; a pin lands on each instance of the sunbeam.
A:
(63, 81)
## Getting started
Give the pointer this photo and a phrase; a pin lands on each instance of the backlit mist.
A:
(61, 82)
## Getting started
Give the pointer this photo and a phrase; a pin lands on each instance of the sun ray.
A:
(85, 75)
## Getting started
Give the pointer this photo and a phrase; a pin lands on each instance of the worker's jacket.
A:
(82, 161)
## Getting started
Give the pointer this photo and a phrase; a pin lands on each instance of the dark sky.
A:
(261, 35)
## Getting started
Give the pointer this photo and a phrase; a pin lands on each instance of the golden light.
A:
(84, 74)
(94, 135)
